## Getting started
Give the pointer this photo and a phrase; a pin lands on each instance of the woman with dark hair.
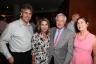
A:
(40, 42)
(84, 44)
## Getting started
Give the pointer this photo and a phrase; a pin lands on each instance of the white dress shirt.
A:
(61, 30)
(18, 35)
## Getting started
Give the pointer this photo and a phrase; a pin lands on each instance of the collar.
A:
(60, 29)
(73, 22)
(23, 23)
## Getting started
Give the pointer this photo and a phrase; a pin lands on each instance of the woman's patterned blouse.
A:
(40, 47)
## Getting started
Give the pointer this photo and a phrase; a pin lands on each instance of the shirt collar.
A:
(23, 23)
(72, 22)
(61, 29)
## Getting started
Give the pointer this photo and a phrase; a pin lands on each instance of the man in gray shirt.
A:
(71, 24)
(18, 35)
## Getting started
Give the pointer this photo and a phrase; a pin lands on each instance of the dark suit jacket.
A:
(63, 52)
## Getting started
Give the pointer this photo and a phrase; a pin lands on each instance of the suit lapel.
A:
(52, 37)
(54, 31)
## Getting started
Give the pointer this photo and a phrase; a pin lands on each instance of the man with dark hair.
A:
(18, 35)
(71, 24)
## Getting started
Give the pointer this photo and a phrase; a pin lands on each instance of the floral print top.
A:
(40, 47)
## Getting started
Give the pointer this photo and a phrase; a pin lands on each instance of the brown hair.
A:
(26, 6)
(84, 18)
(39, 25)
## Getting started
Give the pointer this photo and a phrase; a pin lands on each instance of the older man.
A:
(61, 43)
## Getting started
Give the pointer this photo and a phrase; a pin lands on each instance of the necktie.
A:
(57, 39)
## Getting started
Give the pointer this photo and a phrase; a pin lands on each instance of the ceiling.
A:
(39, 6)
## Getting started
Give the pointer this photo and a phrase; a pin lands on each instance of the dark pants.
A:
(22, 57)
(52, 60)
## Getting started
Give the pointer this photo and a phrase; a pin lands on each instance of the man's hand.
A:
(11, 60)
